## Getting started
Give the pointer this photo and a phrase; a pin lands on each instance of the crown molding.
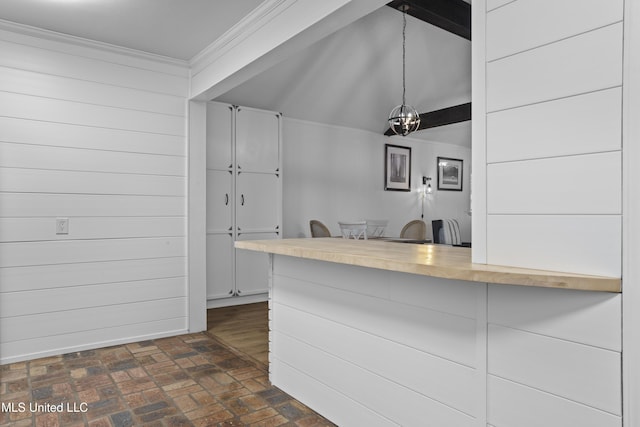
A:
(241, 30)
(55, 37)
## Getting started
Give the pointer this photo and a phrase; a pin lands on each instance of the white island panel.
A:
(358, 333)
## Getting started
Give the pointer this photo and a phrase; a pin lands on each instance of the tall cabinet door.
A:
(219, 201)
(220, 271)
(258, 201)
(252, 268)
(257, 140)
(220, 128)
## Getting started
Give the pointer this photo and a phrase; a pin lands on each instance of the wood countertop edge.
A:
(483, 273)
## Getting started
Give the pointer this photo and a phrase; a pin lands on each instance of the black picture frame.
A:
(397, 168)
(450, 174)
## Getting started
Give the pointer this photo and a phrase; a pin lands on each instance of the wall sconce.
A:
(426, 180)
(426, 189)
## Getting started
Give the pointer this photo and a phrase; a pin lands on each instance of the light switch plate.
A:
(62, 225)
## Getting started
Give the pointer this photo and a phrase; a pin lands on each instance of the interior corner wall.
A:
(337, 174)
(96, 139)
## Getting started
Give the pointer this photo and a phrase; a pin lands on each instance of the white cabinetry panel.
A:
(220, 266)
(544, 21)
(587, 184)
(556, 242)
(580, 64)
(257, 140)
(220, 124)
(511, 404)
(578, 372)
(587, 123)
(220, 199)
(244, 197)
(257, 201)
(252, 268)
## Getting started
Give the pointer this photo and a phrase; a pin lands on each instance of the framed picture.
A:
(397, 168)
(449, 174)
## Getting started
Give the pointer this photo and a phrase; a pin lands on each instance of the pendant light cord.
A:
(404, 37)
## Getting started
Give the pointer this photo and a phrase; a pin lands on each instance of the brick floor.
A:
(187, 380)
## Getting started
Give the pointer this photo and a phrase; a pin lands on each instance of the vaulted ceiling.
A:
(351, 78)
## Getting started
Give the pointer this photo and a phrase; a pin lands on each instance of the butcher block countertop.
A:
(442, 261)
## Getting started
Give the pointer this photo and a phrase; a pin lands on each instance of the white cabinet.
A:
(257, 140)
(253, 280)
(258, 201)
(220, 200)
(220, 254)
(244, 197)
(220, 131)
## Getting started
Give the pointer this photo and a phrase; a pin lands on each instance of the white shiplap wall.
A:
(554, 201)
(376, 348)
(99, 137)
(553, 137)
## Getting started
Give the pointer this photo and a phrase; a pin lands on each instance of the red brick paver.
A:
(187, 380)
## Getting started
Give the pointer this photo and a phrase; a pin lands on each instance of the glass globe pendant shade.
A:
(404, 119)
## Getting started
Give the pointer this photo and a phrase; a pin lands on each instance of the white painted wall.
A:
(551, 129)
(98, 137)
(553, 135)
(631, 215)
(337, 174)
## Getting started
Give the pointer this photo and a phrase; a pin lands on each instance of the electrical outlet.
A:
(62, 225)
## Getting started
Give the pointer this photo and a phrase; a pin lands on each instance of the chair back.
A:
(318, 229)
(376, 227)
(446, 231)
(415, 229)
(354, 230)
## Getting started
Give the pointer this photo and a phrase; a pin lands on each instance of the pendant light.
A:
(404, 119)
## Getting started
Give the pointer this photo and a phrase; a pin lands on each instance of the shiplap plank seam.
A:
(551, 43)
(554, 395)
(31, 131)
(553, 99)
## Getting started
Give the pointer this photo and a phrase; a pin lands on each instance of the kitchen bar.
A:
(383, 333)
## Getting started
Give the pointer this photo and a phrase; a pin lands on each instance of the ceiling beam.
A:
(444, 116)
(450, 15)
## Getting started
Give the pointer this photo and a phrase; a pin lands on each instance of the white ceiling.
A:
(174, 28)
(351, 78)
